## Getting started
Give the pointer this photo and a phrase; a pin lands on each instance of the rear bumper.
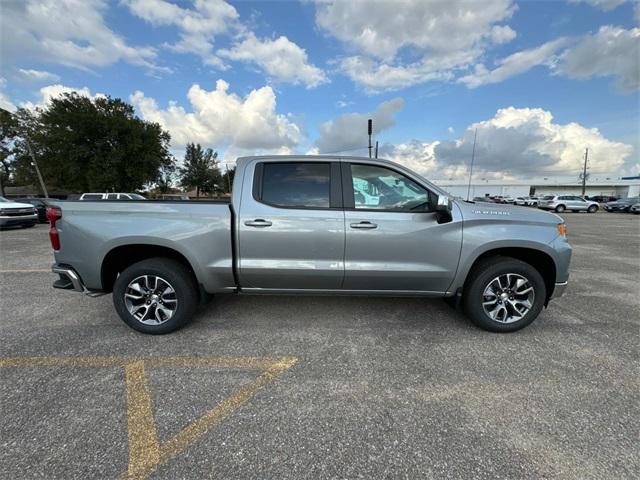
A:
(70, 280)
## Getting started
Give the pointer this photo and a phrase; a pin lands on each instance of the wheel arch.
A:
(122, 256)
(541, 261)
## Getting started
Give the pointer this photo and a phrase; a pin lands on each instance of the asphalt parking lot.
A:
(321, 387)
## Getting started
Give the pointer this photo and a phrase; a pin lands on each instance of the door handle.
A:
(364, 225)
(258, 222)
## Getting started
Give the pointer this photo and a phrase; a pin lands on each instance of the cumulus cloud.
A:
(512, 65)
(516, 142)
(349, 131)
(31, 75)
(67, 32)
(54, 91)
(444, 35)
(198, 26)
(219, 118)
(280, 58)
(612, 51)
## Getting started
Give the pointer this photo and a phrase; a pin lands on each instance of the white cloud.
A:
(222, 119)
(381, 29)
(612, 51)
(439, 38)
(605, 5)
(31, 75)
(67, 32)
(349, 131)
(54, 91)
(512, 65)
(280, 58)
(450, 130)
(516, 142)
(198, 26)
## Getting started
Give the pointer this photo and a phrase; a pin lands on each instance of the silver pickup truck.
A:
(312, 225)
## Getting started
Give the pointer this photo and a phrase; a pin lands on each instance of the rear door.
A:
(291, 226)
(394, 241)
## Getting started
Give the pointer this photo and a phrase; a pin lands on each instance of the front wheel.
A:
(592, 209)
(157, 295)
(504, 294)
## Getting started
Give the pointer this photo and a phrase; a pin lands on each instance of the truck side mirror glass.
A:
(443, 204)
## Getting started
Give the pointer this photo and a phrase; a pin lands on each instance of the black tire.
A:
(177, 275)
(30, 225)
(592, 209)
(560, 208)
(480, 277)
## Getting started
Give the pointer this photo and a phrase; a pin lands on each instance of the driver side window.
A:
(380, 188)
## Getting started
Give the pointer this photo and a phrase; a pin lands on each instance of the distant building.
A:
(618, 187)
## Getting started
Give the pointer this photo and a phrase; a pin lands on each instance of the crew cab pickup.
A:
(312, 225)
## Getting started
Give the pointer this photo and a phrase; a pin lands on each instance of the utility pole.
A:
(473, 157)
(35, 164)
(584, 172)
(370, 130)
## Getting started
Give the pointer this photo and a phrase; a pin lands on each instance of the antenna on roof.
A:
(370, 130)
(473, 157)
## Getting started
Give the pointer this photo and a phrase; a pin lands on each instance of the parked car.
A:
(520, 201)
(621, 205)
(560, 203)
(293, 227)
(14, 214)
(111, 196)
(602, 198)
(532, 200)
(41, 207)
(635, 208)
(483, 199)
(173, 197)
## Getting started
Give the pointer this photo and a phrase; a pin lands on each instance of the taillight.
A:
(53, 215)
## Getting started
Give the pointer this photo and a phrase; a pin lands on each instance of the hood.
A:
(6, 205)
(506, 212)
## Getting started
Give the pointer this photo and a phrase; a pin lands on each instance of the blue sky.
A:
(540, 80)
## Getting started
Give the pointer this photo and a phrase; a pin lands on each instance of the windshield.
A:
(2, 199)
(135, 196)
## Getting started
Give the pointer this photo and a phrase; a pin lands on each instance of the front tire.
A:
(592, 209)
(156, 296)
(504, 294)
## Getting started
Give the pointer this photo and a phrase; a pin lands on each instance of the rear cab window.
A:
(295, 184)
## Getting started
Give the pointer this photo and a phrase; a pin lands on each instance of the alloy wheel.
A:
(150, 299)
(508, 298)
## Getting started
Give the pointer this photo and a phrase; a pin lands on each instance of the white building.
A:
(617, 187)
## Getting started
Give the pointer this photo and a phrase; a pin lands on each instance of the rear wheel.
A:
(156, 296)
(504, 294)
(592, 209)
(560, 208)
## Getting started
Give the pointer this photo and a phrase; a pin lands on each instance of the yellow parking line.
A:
(146, 453)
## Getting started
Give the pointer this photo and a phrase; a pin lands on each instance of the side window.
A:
(380, 188)
(296, 184)
(112, 196)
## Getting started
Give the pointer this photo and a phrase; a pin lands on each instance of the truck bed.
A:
(91, 231)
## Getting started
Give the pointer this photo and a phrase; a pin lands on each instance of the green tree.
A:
(200, 170)
(98, 144)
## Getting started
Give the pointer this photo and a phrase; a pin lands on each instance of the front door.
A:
(394, 241)
(291, 226)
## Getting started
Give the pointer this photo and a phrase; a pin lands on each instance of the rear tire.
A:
(517, 276)
(560, 208)
(156, 296)
(592, 209)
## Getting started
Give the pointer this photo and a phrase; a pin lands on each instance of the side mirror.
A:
(443, 204)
